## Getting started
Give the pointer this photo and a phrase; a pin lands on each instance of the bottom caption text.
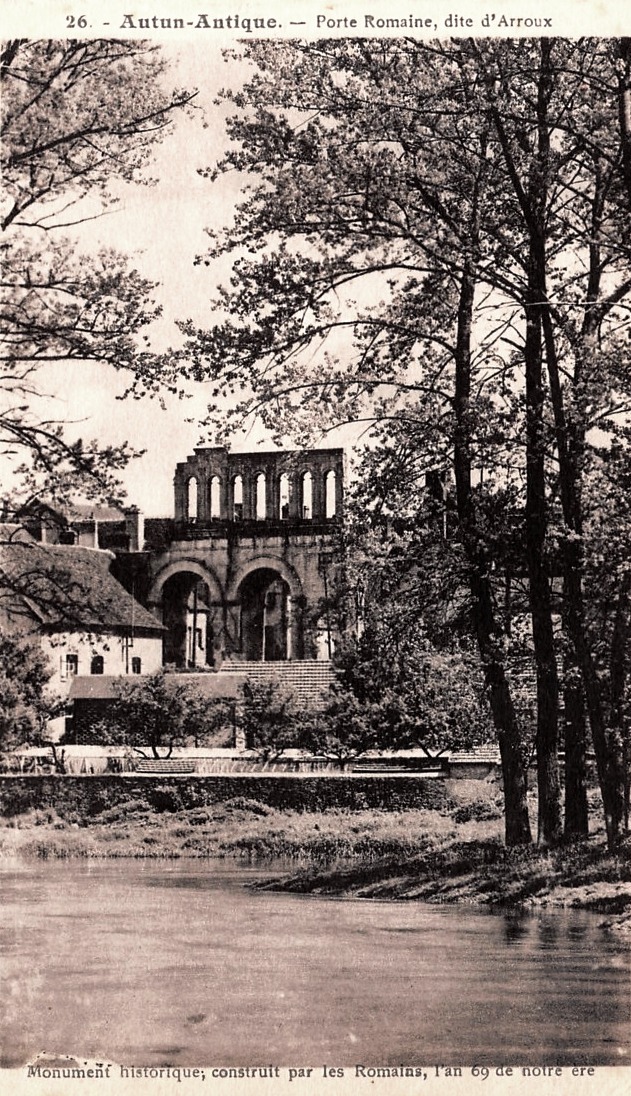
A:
(106, 1071)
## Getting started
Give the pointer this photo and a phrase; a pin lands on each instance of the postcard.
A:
(314, 478)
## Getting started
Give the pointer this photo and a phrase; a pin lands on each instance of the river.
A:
(154, 963)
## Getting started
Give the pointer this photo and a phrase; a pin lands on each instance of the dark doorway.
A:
(187, 615)
(265, 617)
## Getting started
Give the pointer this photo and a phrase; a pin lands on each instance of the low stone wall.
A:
(77, 797)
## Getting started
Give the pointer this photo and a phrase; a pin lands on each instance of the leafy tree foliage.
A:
(78, 119)
(25, 705)
(414, 695)
(160, 713)
(269, 718)
(435, 239)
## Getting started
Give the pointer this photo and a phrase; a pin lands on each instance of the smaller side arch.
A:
(270, 563)
(187, 598)
(215, 497)
(192, 566)
(192, 498)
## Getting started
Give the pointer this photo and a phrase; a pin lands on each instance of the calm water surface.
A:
(179, 963)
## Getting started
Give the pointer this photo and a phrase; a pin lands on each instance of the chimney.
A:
(135, 528)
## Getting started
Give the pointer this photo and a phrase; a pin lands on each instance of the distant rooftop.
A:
(68, 587)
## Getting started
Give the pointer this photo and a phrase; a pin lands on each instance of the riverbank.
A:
(485, 872)
(449, 852)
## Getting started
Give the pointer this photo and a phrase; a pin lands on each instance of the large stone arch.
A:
(190, 601)
(193, 566)
(265, 606)
(270, 563)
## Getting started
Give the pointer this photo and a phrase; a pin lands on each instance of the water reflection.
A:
(180, 964)
(517, 925)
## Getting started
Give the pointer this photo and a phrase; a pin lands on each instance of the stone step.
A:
(308, 679)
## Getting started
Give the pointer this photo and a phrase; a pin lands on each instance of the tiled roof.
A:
(68, 587)
(104, 687)
(73, 511)
(488, 754)
(87, 511)
(307, 679)
(10, 531)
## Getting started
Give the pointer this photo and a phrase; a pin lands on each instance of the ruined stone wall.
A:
(206, 465)
(307, 559)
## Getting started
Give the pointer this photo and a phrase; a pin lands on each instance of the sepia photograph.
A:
(315, 551)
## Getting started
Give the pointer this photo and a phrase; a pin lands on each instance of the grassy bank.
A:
(452, 852)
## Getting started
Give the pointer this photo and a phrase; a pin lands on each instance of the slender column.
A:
(295, 495)
(232, 630)
(203, 500)
(339, 495)
(318, 492)
(289, 628)
(272, 490)
(226, 506)
(249, 495)
(180, 491)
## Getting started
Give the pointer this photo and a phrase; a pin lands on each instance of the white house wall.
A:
(116, 651)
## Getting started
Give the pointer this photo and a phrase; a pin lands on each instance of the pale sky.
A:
(164, 224)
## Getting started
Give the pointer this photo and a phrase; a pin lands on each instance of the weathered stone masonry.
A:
(246, 570)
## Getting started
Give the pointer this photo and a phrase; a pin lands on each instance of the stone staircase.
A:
(309, 680)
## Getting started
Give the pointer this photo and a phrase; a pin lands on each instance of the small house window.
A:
(72, 665)
(136, 665)
(97, 665)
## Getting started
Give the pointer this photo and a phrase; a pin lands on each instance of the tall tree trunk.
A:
(532, 199)
(517, 823)
(549, 831)
(607, 747)
(488, 630)
(549, 810)
(570, 450)
(576, 823)
(618, 673)
(570, 436)
(624, 110)
(609, 757)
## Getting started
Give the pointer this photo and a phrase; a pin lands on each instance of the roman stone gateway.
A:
(248, 568)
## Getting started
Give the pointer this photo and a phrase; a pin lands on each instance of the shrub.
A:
(478, 811)
(252, 806)
(123, 811)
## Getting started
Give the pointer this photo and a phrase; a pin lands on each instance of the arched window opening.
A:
(191, 511)
(97, 665)
(307, 496)
(329, 486)
(237, 498)
(136, 665)
(284, 495)
(215, 497)
(261, 503)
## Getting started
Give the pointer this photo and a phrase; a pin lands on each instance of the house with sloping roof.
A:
(91, 696)
(87, 623)
(85, 525)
